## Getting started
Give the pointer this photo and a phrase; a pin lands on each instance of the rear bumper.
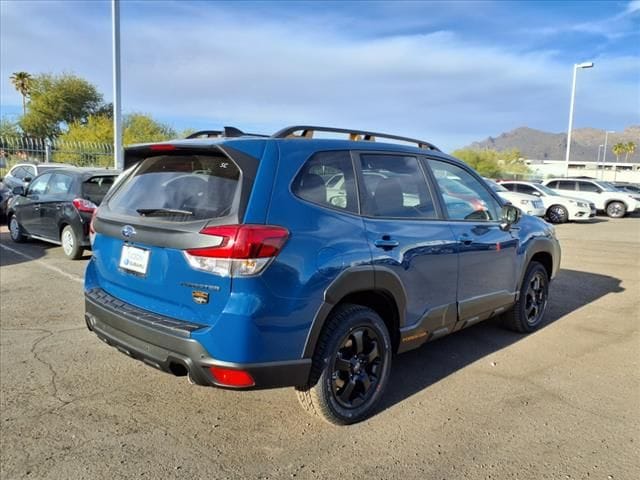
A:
(166, 344)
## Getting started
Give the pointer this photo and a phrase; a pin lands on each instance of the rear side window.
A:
(395, 187)
(565, 185)
(327, 179)
(96, 188)
(179, 188)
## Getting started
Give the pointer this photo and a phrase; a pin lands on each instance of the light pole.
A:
(598, 160)
(573, 98)
(117, 108)
(604, 155)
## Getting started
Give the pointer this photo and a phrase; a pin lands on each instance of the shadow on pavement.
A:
(418, 369)
(33, 248)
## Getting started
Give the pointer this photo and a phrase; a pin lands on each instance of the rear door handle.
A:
(386, 243)
(58, 206)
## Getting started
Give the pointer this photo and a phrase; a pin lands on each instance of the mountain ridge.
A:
(540, 145)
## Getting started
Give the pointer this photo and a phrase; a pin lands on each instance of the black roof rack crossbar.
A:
(228, 132)
(307, 131)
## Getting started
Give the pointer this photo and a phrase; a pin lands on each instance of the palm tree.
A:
(630, 150)
(618, 149)
(22, 83)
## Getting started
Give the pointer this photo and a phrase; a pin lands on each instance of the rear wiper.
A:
(157, 212)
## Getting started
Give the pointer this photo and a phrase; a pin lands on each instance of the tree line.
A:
(69, 108)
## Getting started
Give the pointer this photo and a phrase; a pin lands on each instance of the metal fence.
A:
(28, 149)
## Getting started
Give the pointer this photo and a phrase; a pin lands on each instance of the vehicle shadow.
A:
(30, 250)
(418, 369)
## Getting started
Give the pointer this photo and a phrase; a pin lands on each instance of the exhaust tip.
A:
(90, 320)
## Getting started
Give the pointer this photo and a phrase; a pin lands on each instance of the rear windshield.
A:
(179, 188)
(97, 187)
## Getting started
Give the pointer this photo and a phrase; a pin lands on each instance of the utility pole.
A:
(117, 108)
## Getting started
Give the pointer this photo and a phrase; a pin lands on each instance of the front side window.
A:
(512, 187)
(179, 187)
(395, 187)
(588, 187)
(528, 189)
(39, 185)
(60, 184)
(19, 173)
(327, 180)
(464, 196)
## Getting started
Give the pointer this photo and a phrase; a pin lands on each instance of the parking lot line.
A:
(70, 276)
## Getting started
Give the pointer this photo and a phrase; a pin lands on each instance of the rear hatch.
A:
(155, 214)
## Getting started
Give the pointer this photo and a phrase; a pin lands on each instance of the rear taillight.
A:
(83, 205)
(239, 250)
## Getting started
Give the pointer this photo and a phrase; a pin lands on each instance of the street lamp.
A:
(604, 155)
(573, 98)
(599, 152)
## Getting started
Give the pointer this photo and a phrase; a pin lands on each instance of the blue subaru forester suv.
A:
(244, 261)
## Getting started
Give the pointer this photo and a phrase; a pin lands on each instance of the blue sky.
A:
(448, 72)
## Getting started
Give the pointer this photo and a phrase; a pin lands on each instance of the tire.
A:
(527, 315)
(15, 230)
(345, 386)
(616, 210)
(70, 243)
(557, 214)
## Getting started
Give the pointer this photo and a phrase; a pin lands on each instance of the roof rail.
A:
(307, 131)
(228, 132)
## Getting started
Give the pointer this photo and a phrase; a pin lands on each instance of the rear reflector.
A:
(83, 205)
(240, 250)
(232, 378)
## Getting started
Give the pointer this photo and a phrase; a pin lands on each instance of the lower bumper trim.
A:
(180, 355)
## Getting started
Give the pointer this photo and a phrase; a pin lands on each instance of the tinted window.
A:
(20, 173)
(60, 184)
(512, 187)
(588, 187)
(553, 184)
(179, 188)
(565, 185)
(470, 200)
(327, 179)
(527, 189)
(39, 185)
(395, 187)
(96, 188)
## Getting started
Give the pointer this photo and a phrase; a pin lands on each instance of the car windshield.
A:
(496, 187)
(546, 190)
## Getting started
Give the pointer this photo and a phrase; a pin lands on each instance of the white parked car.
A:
(22, 173)
(603, 195)
(559, 208)
(527, 203)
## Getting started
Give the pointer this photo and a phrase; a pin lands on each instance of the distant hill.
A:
(539, 145)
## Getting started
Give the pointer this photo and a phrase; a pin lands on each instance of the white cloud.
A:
(239, 70)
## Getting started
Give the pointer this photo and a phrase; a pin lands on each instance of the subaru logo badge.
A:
(128, 231)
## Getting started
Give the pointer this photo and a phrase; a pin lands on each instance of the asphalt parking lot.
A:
(484, 403)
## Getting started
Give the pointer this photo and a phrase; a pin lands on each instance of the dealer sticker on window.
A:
(134, 259)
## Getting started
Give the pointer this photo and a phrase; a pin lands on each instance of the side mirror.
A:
(18, 190)
(536, 194)
(510, 215)
(27, 179)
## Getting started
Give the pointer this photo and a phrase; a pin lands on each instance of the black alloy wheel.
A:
(535, 301)
(356, 367)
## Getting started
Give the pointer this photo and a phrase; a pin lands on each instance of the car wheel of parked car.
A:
(557, 214)
(528, 312)
(350, 367)
(616, 210)
(15, 230)
(70, 243)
